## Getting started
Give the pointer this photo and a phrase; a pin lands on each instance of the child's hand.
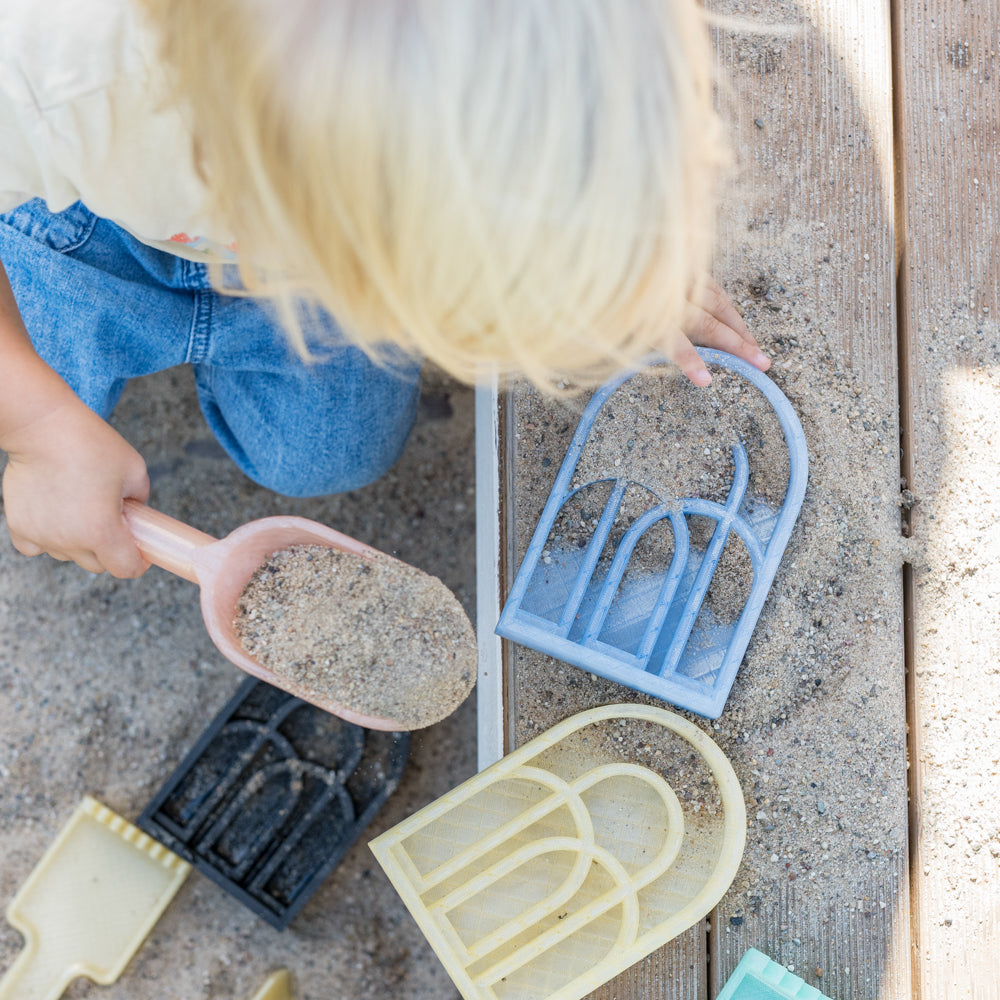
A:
(67, 474)
(712, 321)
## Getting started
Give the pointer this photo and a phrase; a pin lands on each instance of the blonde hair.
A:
(525, 186)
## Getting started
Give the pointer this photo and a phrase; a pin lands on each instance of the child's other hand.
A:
(67, 474)
(712, 321)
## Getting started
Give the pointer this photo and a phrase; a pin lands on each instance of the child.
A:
(510, 186)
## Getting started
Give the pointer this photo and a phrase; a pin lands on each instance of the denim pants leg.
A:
(101, 308)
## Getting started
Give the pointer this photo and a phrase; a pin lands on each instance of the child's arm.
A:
(68, 471)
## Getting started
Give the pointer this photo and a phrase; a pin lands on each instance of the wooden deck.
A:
(865, 199)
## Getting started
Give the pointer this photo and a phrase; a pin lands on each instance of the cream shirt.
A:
(84, 116)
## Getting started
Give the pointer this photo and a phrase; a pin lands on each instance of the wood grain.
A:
(809, 211)
(949, 156)
(814, 204)
(815, 161)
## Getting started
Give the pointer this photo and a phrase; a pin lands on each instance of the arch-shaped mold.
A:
(655, 635)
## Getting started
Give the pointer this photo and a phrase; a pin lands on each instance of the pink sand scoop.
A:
(223, 568)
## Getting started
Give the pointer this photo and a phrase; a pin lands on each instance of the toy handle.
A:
(277, 987)
(35, 975)
(165, 541)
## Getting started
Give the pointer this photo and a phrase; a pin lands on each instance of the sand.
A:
(669, 441)
(825, 656)
(374, 634)
(108, 684)
(676, 439)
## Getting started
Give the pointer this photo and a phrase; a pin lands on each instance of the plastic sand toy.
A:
(277, 987)
(759, 978)
(223, 567)
(550, 872)
(89, 904)
(652, 630)
(272, 796)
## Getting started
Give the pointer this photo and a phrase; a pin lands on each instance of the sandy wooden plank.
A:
(949, 115)
(825, 890)
(539, 691)
(677, 970)
(815, 724)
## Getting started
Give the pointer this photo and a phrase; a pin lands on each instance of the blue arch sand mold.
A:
(653, 634)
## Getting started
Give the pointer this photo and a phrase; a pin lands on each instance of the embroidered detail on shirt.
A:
(225, 251)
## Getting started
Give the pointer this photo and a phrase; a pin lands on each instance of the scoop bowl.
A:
(222, 567)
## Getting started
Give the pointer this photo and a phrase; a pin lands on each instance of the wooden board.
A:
(949, 130)
(813, 211)
(806, 248)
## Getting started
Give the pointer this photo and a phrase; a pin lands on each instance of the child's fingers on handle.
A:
(24, 545)
(115, 551)
(123, 558)
(135, 485)
(125, 562)
(85, 560)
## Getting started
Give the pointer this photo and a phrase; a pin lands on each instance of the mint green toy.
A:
(759, 978)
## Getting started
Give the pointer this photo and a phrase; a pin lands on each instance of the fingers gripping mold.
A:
(89, 904)
(272, 797)
(550, 872)
(653, 572)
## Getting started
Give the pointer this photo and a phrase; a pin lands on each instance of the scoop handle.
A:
(35, 975)
(165, 541)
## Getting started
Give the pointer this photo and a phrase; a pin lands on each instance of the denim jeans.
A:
(101, 307)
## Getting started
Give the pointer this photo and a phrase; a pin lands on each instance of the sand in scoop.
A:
(375, 634)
